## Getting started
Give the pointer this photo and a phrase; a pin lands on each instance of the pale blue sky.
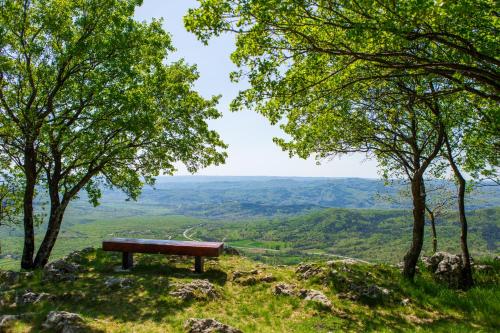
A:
(249, 135)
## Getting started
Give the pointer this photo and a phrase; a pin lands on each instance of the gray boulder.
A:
(197, 289)
(285, 289)
(32, 298)
(307, 294)
(315, 296)
(6, 321)
(306, 271)
(375, 292)
(79, 256)
(449, 269)
(195, 325)
(8, 278)
(61, 270)
(118, 283)
(239, 274)
(64, 322)
(247, 278)
(346, 262)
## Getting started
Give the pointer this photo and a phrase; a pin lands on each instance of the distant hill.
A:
(250, 197)
(292, 217)
(373, 235)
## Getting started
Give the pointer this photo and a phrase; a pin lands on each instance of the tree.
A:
(303, 55)
(455, 40)
(88, 102)
(386, 120)
(438, 200)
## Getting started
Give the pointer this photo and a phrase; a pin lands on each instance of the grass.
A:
(148, 307)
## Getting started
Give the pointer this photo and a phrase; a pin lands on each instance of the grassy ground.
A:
(147, 306)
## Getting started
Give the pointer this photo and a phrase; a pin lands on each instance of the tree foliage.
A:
(87, 100)
(380, 77)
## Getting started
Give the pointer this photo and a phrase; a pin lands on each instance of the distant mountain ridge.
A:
(243, 197)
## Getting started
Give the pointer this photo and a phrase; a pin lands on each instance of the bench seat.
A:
(128, 246)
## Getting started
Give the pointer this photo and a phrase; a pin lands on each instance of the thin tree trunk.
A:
(432, 217)
(411, 257)
(467, 279)
(54, 226)
(28, 214)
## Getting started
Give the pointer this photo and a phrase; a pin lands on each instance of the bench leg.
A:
(127, 260)
(198, 264)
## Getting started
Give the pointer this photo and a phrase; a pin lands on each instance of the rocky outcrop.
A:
(79, 256)
(315, 296)
(307, 294)
(8, 278)
(446, 268)
(307, 271)
(197, 289)
(61, 270)
(195, 325)
(64, 322)
(346, 262)
(118, 283)
(285, 289)
(247, 278)
(6, 321)
(32, 298)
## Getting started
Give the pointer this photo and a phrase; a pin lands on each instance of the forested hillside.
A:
(251, 197)
(373, 235)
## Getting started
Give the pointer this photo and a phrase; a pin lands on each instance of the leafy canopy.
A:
(91, 91)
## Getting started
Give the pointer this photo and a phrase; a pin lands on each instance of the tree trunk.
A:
(432, 217)
(467, 279)
(28, 214)
(53, 228)
(411, 257)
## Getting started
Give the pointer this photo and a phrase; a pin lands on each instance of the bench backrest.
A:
(136, 245)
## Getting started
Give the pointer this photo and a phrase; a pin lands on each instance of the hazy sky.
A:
(249, 135)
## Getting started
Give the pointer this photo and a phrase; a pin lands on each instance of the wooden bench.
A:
(129, 246)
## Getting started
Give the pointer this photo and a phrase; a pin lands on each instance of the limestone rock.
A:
(405, 302)
(375, 292)
(195, 325)
(118, 283)
(240, 274)
(63, 322)
(8, 278)
(247, 278)
(347, 262)
(32, 298)
(61, 270)
(197, 289)
(7, 321)
(315, 296)
(285, 289)
(483, 268)
(306, 271)
(447, 268)
(267, 278)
